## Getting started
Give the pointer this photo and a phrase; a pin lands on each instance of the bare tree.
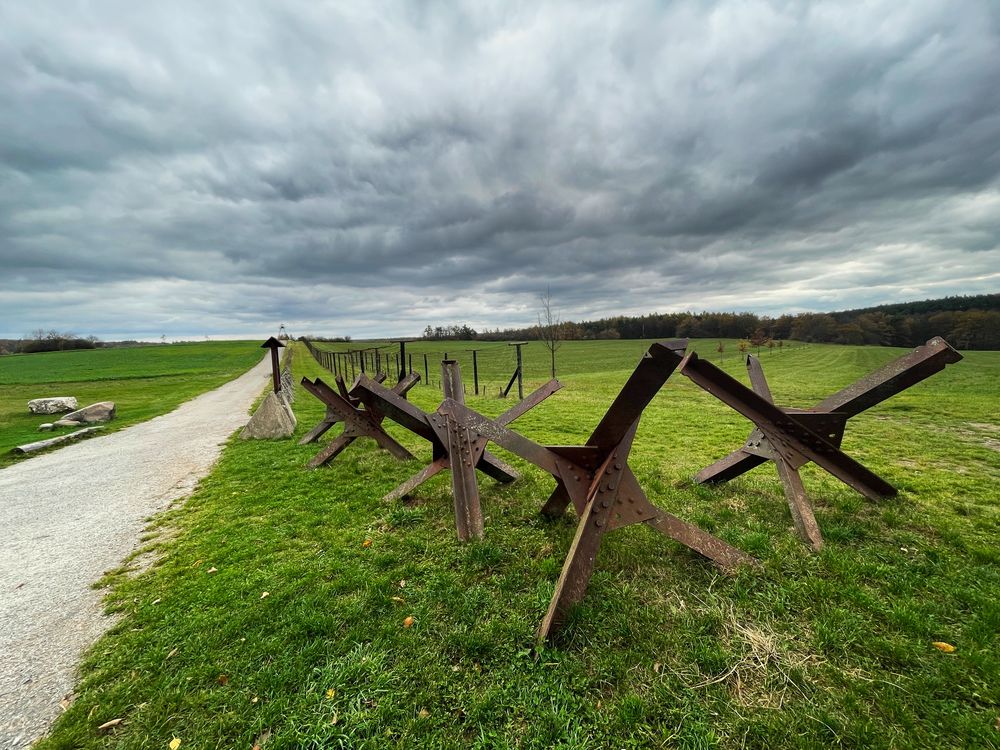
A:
(549, 327)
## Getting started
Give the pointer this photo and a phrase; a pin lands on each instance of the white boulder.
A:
(52, 405)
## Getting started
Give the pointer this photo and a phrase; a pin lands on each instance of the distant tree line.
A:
(460, 332)
(41, 340)
(335, 339)
(967, 322)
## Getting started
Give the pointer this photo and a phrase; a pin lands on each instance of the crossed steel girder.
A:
(455, 445)
(794, 437)
(332, 416)
(597, 480)
(358, 422)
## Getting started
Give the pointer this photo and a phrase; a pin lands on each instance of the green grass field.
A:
(264, 617)
(144, 382)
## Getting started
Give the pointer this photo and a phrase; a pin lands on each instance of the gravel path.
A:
(69, 516)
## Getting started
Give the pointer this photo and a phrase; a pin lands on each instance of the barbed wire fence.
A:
(489, 369)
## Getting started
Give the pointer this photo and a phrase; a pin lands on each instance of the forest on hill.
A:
(966, 322)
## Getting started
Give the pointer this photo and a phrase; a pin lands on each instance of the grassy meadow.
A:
(269, 609)
(144, 382)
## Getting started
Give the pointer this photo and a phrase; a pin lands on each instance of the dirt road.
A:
(69, 516)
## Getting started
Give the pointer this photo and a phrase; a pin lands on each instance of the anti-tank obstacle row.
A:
(595, 477)
(454, 445)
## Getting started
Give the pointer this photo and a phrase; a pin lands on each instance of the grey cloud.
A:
(300, 161)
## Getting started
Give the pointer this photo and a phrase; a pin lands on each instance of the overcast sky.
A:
(195, 168)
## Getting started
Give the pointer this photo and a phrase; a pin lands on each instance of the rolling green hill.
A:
(275, 612)
(143, 382)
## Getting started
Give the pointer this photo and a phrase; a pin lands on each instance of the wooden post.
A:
(427, 377)
(401, 361)
(475, 371)
(519, 373)
(273, 344)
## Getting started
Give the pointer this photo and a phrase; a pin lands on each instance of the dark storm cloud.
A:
(198, 168)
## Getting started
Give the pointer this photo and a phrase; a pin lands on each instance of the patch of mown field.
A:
(144, 382)
(268, 617)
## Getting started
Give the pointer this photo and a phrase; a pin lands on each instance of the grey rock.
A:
(59, 440)
(103, 411)
(45, 427)
(66, 423)
(273, 419)
(52, 405)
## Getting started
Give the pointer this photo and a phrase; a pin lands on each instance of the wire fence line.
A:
(488, 369)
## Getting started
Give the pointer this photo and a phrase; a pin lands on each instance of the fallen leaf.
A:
(424, 713)
(334, 719)
(110, 724)
(175, 743)
(67, 700)
(942, 646)
(196, 563)
(408, 622)
(456, 668)
(398, 599)
(174, 651)
(213, 569)
(330, 693)
(265, 595)
(366, 543)
(657, 667)
(157, 601)
(254, 699)
(402, 584)
(222, 679)
(262, 740)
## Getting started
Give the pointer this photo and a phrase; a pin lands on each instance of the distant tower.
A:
(282, 335)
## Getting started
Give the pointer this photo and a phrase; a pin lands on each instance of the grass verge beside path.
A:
(144, 382)
(275, 612)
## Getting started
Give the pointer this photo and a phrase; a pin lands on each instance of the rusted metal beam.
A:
(795, 492)
(456, 443)
(534, 399)
(785, 434)
(397, 409)
(332, 417)
(893, 378)
(597, 480)
(578, 567)
(793, 437)
(357, 423)
(612, 498)
(656, 365)
(898, 375)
